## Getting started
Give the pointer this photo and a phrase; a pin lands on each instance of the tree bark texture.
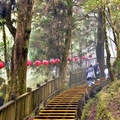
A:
(115, 26)
(5, 51)
(107, 49)
(20, 49)
(100, 43)
(67, 39)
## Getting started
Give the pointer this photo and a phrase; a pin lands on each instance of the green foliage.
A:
(36, 76)
(108, 96)
(87, 109)
(1, 94)
(44, 19)
(117, 68)
(102, 112)
(69, 3)
(92, 5)
(2, 21)
(115, 87)
(2, 80)
(107, 103)
(47, 36)
(4, 89)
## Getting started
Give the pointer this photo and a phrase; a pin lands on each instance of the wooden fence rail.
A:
(68, 104)
(23, 105)
(20, 107)
(76, 78)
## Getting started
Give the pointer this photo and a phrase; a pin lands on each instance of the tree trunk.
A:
(67, 39)
(107, 49)
(20, 49)
(5, 52)
(100, 43)
(115, 26)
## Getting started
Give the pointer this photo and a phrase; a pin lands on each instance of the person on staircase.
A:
(90, 75)
(106, 72)
(97, 71)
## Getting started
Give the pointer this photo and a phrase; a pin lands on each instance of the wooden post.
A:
(45, 80)
(38, 86)
(37, 111)
(101, 83)
(45, 88)
(87, 94)
(54, 84)
(29, 89)
(13, 97)
(83, 99)
(94, 89)
(79, 109)
(45, 103)
(70, 80)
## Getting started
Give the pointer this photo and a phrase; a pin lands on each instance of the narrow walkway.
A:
(68, 104)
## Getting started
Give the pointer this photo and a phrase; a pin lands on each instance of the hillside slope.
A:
(105, 105)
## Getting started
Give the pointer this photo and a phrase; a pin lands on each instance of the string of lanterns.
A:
(36, 63)
(77, 58)
(47, 62)
(54, 61)
(44, 62)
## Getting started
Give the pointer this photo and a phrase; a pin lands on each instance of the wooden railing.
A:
(20, 107)
(77, 78)
(23, 105)
(68, 104)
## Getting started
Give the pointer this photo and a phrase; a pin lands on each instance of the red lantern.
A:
(45, 62)
(90, 56)
(69, 59)
(76, 58)
(29, 62)
(2, 65)
(57, 60)
(37, 63)
(83, 57)
(52, 61)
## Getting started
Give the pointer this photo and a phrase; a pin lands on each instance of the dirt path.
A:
(92, 112)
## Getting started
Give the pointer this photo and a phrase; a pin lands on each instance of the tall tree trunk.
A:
(100, 43)
(116, 64)
(67, 39)
(5, 52)
(20, 50)
(66, 53)
(115, 26)
(107, 49)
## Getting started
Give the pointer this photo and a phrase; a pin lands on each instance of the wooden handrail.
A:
(23, 105)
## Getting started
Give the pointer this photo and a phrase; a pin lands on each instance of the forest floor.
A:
(107, 104)
(92, 112)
